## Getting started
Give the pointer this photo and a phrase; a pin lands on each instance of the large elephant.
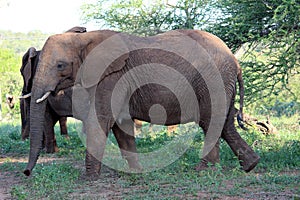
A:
(28, 69)
(114, 60)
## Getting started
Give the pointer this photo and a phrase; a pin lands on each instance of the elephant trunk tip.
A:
(27, 172)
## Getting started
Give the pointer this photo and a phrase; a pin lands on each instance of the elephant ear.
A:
(27, 68)
(108, 56)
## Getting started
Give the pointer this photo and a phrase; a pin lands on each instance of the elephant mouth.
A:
(43, 98)
(62, 85)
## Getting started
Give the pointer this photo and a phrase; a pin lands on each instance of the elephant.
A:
(97, 62)
(59, 105)
(28, 70)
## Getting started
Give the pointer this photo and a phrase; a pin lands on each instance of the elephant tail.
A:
(240, 117)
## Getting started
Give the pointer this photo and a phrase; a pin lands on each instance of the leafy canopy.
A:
(265, 32)
(147, 17)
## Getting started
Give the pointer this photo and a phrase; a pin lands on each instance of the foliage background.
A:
(12, 47)
(264, 35)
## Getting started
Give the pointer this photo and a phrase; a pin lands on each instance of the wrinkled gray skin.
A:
(59, 106)
(28, 69)
(63, 54)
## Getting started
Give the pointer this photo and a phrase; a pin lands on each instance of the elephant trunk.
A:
(37, 113)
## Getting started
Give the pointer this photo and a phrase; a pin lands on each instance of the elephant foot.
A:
(56, 149)
(89, 177)
(249, 161)
(93, 167)
(135, 167)
(209, 161)
(25, 137)
(53, 148)
(133, 163)
(247, 157)
(205, 165)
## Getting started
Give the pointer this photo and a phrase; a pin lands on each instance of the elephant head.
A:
(28, 69)
(57, 68)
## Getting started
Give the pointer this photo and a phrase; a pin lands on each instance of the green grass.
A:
(59, 176)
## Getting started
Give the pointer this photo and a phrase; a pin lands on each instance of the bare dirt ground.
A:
(6, 181)
(9, 179)
(108, 187)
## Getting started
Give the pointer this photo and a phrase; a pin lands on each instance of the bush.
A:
(280, 108)
(11, 83)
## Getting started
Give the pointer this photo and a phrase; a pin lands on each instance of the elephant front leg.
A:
(95, 143)
(25, 115)
(49, 135)
(63, 127)
(213, 156)
(124, 134)
(24, 120)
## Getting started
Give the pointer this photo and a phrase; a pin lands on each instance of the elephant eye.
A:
(60, 67)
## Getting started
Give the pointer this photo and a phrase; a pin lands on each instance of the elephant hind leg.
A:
(247, 157)
(126, 141)
(212, 157)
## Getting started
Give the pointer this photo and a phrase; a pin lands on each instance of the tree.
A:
(10, 78)
(20, 42)
(9, 61)
(12, 47)
(148, 19)
(269, 32)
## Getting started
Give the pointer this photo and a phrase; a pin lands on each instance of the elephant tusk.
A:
(25, 96)
(43, 97)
